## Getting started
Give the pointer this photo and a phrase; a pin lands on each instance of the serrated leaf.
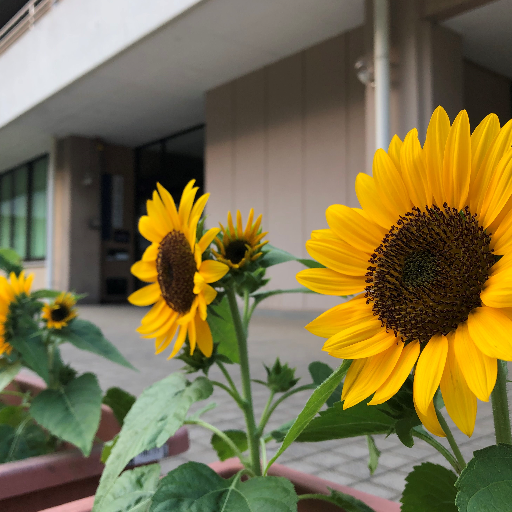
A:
(71, 413)
(194, 487)
(223, 330)
(224, 451)
(23, 441)
(87, 336)
(156, 415)
(313, 405)
(404, 428)
(429, 487)
(10, 261)
(485, 484)
(8, 372)
(45, 294)
(319, 372)
(33, 352)
(374, 454)
(119, 401)
(336, 423)
(133, 490)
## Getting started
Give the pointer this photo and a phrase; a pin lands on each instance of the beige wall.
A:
(288, 140)
(38, 268)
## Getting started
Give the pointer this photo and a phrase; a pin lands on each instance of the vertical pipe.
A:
(382, 76)
(50, 184)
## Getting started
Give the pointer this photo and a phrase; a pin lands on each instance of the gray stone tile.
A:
(375, 489)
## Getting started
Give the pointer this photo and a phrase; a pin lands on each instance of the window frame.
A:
(29, 207)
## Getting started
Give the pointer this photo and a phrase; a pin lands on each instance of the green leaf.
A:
(10, 261)
(45, 294)
(223, 330)
(33, 352)
(373, 460)
(310, 263)
(260, 296)
(280, 433)
(87, 336)
(119, 401)
(224, 451)
(319, 372)
(133, 490)
(404, 428)
(107, 448)
(156, 415)
(346, 502)
(274, 256)
(336, 423)
(429, 487)
(71, 413)
(8, 372)
(485, 484)
(194, 487)
(25, 440)
(313, 405)
(12, 415)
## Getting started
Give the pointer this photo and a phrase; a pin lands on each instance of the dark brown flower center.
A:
(427, 274)
(235, 251)
(176, 267)
(59, 312)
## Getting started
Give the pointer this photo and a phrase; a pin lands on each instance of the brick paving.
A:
(341, 461)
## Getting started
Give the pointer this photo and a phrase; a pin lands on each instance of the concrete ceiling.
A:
(156, 87)
(487, 35)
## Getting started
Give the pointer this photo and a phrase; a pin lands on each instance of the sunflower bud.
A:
(280, 378)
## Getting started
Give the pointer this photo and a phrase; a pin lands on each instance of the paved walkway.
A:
(341, 461)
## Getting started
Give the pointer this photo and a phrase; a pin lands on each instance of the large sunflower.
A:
(431, 252)
(10, 290)
(59, 313)
(173, 264)
(240, 246)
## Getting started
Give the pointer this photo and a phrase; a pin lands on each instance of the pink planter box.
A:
(304, 484)
(33, 484)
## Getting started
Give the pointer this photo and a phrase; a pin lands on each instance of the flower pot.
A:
(36, 483)
(304, 484)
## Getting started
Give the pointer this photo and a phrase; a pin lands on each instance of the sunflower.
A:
(239, 247)
(60, 312)
(430, 257)
(179, 278)
(10, 290)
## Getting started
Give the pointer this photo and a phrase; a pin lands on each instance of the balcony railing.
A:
(23, 21)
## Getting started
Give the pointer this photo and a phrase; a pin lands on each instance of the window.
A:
(23, 209)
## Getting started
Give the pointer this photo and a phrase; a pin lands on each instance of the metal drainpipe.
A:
(381, 70)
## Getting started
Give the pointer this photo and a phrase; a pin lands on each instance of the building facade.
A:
(260, 102)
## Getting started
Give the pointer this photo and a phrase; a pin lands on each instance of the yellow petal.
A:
(371, 202)
(155, 312)
(338, 256)
(430, 420)
(457, 162)
(204, 337)
(329, 282)
(209, 294)
(501, 239)
(164, 341)
(350, 349)
(166, 327)
(187, 200)
(340, 317)
(199, 283)
(394, 151)
(498, 192)
(435, 143)
(248, 226)
(28, 283)
(191, 330)
(390, 185)
(429, 370)
(151, 253)
(145, 271)
(231, 227)
(481, 140)
(150, 230)
(147, 326)
(182, 334)
(350, 226)
(459, 400)
(375, 372)
(207, 239)
(170, 206)
(212, 271)
(162, 213)
(201, 306)
(414, 171)
(399, 375)
(497, 292)
(479, 370)
(490, 329)
(198, 208)
(494, 154)
(146, 296)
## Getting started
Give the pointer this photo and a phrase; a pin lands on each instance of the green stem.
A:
(227, 376)
(263, 446)
(451, 440)
(247, 312)
(270, 411)
(500, 408)
(12, 393)
(236, 397)
(264, 415)
(252, 434)
(218, 432)
(439, 447)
